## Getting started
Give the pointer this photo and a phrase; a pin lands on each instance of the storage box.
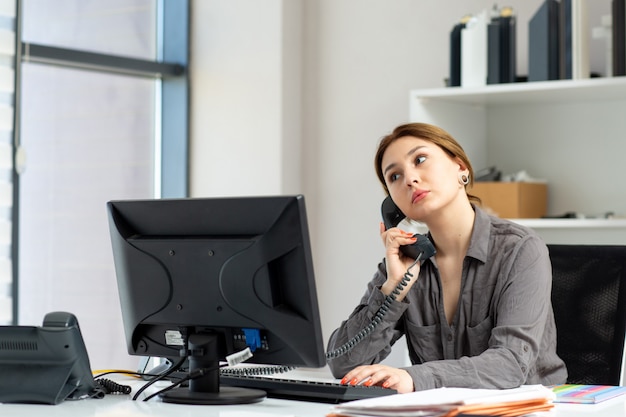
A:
(513, 200)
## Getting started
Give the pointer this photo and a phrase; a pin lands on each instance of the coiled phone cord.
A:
(378, 317)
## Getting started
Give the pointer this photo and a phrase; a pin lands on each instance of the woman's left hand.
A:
(383, 375)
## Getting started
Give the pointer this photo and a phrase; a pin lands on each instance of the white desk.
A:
(112, 406)
(122, 405)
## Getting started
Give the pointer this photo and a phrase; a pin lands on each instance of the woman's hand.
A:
(397, 262)
(382, 375)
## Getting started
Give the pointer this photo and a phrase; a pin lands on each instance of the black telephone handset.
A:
(420, 251)
(392, 215)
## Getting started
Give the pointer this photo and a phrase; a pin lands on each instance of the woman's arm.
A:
(377, 345)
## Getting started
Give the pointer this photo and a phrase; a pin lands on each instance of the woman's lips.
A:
(418, 195)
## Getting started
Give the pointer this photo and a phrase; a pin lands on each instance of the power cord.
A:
(170, 371)
(192, 375)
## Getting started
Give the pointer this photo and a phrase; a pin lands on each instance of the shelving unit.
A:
(572, 133)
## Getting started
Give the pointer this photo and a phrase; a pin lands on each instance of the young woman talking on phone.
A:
(478, 313)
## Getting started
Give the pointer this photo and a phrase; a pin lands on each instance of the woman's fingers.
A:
(381, 375)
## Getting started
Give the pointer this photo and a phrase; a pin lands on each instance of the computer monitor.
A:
(208, 277)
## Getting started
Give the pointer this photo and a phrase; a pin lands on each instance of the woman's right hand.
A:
(397, 262)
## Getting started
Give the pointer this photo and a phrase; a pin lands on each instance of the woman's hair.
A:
(429, 133)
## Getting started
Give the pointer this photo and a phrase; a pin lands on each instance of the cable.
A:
(171, 370)
(134, 374)
(378, 317)
(193, 375)
(111, 387)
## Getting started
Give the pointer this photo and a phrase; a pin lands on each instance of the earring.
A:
(464, 179)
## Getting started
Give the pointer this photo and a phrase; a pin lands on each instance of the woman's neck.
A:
(451, 229)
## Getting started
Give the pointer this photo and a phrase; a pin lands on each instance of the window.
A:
(7, 86)
(100, 119)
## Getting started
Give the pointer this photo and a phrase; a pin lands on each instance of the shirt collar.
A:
(479, 242)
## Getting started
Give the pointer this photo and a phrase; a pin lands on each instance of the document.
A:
(450, 402)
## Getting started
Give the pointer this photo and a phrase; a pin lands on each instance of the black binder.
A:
(619, 37)
(543, 43)
(455, 55)
(501, 50)
(565, 44)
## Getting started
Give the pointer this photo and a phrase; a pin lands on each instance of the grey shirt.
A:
(503, 334)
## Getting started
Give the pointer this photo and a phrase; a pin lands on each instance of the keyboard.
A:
(291, 389)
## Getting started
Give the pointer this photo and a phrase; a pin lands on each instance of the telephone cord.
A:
(378, 317)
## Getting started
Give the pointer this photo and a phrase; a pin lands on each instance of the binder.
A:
(501, 42)
(618, 13)
(474, 51)
(574, 39)
(454, 79)
(543, 43)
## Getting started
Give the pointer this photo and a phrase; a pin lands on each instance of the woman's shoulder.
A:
(507, 233)
(502, 226)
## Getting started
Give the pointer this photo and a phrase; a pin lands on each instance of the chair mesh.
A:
(588, 297)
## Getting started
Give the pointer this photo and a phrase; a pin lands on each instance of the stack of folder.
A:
(482, 49)
(452, 402)
(483, 45)
(558, 41)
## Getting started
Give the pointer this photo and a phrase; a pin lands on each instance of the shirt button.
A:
(449, 338)
(525, 348)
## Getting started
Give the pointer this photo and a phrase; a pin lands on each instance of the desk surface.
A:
(122, 405)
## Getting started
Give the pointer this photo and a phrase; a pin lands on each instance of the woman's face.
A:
(421, 177)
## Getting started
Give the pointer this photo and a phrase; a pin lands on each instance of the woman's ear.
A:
(462, 167)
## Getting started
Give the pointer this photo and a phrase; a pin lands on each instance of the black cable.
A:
(193, 375)
(111, 387)
(171, 370)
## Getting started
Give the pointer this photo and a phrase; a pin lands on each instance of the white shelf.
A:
(613, 88)
(571, 133)
(573, 223)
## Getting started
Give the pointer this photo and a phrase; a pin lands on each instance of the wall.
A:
(293, 96)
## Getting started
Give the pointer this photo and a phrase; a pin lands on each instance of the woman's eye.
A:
(419, 160)
(393, 177)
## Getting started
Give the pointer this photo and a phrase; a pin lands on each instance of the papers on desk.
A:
(450, 402)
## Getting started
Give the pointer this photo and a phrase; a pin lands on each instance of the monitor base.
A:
(226, 395)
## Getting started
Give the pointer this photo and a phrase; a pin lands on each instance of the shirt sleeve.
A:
(376, 346)
(522, 308)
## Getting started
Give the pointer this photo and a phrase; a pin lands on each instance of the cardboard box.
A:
(513, 200)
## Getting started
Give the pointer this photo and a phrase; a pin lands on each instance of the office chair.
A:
(589, 301)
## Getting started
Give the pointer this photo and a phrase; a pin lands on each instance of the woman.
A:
(478, 313)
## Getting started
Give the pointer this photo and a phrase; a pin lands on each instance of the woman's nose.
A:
(412, 177)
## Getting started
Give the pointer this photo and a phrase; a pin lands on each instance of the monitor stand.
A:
(206, 389)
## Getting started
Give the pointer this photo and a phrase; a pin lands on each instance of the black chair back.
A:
(589, 301)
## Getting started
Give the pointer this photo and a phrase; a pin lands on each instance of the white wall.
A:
(293, 96)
